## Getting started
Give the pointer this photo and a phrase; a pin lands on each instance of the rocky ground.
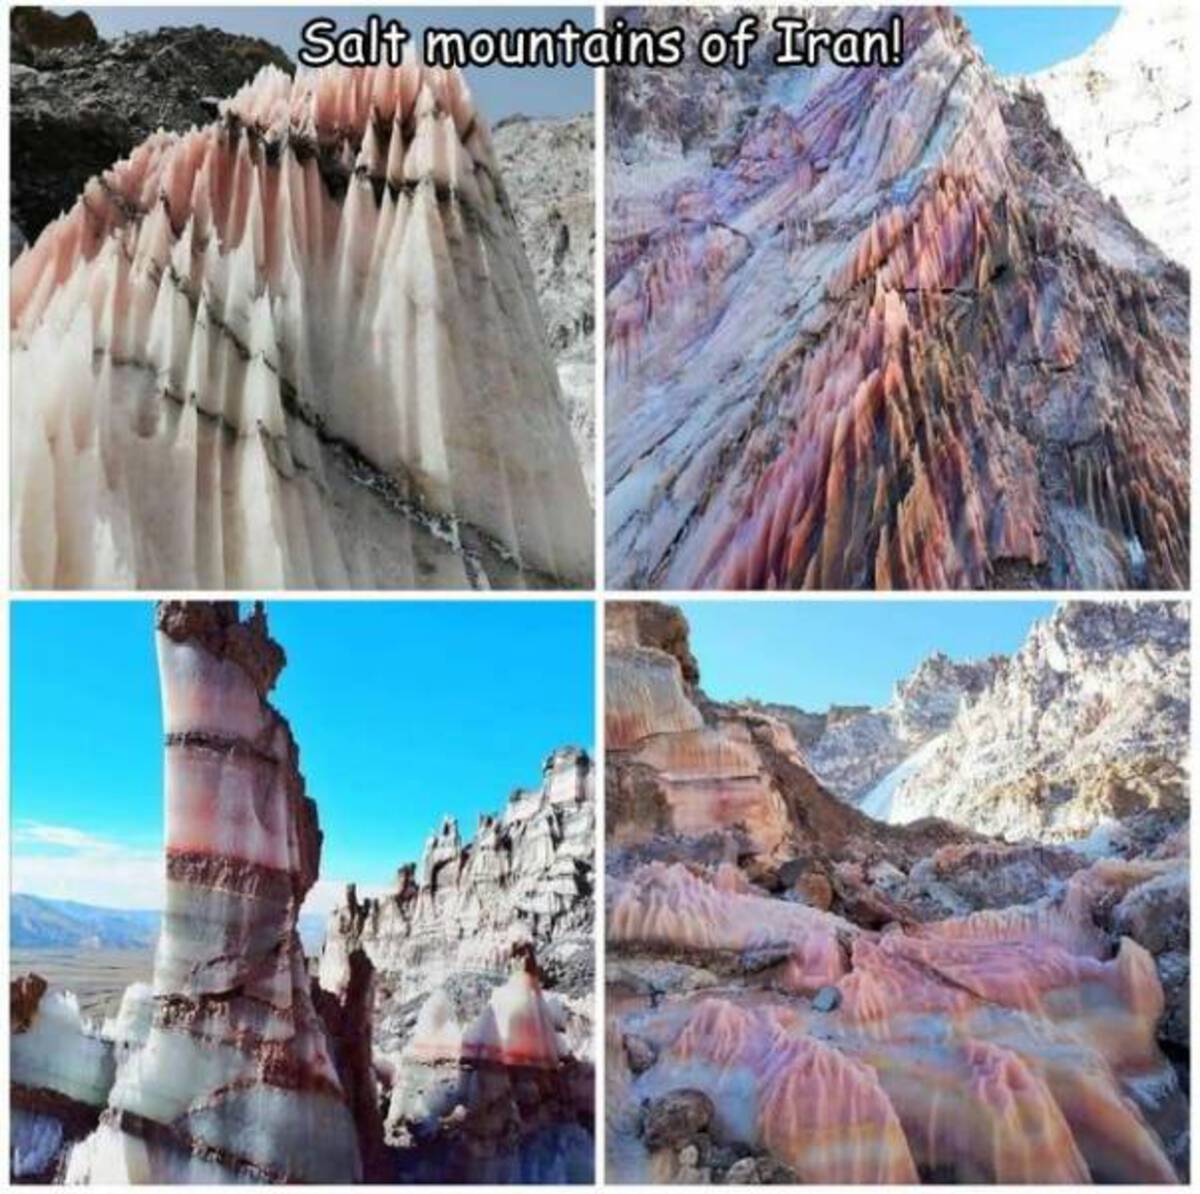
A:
(799, 992)
(79, 103)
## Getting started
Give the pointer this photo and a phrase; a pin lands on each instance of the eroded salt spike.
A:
(517, 1027)
(299, 347)
(437, 1035)
(234, 1080)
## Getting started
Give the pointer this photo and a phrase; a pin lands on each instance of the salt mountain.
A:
(1086, 725)
(800, 994)
(874, 328)
(234, 1064)
(297, 347)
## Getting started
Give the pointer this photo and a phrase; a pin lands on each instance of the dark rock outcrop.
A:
(78, 104)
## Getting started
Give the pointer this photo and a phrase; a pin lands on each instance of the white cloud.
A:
(62, 863)
(35, 833)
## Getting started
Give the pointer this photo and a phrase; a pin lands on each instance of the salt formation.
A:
(872, 328)
(221, 1070)
(483, 958)
(298, 347)
(851, 749)
(61, 1070)
(856, 1002)
(1124, 106)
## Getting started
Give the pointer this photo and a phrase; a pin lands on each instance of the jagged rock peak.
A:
(1078, 628)
(314, 312)
(925, 702)
(1084, 727)
(484, 958)
(523, 879)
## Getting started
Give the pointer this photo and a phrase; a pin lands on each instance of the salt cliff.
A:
(800, 993)
(482, 1006)
(1124, 107)
(851, 749)
(297, 347)
(221, 1069)
(873, 328)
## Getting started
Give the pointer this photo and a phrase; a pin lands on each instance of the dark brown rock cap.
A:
(24, 995)
(217, 627)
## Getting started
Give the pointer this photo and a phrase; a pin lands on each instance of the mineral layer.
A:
(297, 347)
(872, 328)
(220, 1070)
(798, 992)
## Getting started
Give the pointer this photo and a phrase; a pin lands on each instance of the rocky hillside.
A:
(874, 328)
(1125, 107)
(799, 994)
(547, 167)
(1084, 727)
(37, 923)
(851, 749)
(442, 948)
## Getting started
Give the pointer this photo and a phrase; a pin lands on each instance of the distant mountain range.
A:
(39, 923)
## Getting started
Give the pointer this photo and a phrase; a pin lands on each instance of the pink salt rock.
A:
(297, 348)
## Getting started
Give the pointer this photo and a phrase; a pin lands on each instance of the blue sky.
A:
(404, 711)
(1019, 39)
(499, 91)
(814, 654)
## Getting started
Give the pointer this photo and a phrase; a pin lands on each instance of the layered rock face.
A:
(843, 1001)
(1084, 727)
(483, 996)
(1124, 106)
(297, 347)
(221, 1070)
(547, 165)
(872, 328)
